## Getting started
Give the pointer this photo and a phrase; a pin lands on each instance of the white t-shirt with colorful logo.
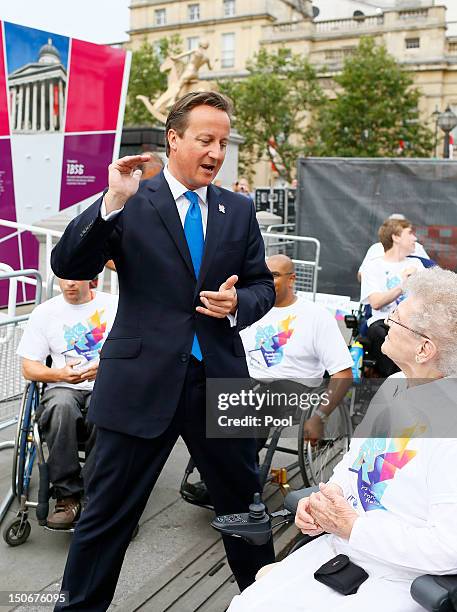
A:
(69, 332)
(404, 487)
(382, 275)
(295, 342)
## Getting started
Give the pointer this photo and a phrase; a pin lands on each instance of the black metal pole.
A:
(436, 138)
(446, 145)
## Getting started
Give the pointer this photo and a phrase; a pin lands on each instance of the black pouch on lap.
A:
(341, 575)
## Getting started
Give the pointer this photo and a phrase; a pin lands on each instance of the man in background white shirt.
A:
(382, 284)
(70, 328)
(377, 250)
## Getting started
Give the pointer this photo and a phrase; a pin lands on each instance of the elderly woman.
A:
(391, 504)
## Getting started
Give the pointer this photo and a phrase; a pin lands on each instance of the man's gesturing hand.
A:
(123, 180)
(331, 511)
(220, 303)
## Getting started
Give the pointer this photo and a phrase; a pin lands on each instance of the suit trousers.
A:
(126, 469)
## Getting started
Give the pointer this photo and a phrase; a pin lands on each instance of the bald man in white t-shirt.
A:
(298, 340)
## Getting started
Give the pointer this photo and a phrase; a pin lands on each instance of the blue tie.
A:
(193, 229)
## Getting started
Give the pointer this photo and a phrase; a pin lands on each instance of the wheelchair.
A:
(433, 593)
(28, 450)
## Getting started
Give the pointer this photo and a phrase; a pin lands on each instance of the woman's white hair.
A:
(436, 317)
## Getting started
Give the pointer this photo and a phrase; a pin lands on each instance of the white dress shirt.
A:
(182, 204)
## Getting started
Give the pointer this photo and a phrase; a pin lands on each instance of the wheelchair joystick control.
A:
(257, 508)
(253, 526)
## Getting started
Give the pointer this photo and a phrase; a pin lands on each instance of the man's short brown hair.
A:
(179, 114)
(392, 227)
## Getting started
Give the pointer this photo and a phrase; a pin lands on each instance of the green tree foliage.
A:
(375, 109)
(272, 102)
(146, 78)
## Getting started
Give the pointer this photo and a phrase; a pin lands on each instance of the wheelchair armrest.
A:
(433, 592)
(291, 500)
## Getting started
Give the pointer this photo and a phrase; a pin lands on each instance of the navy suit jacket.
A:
(144, 360)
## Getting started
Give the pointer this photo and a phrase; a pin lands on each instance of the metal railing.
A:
(306, 270)
(11, 329)
(51, 237)
(276, 227)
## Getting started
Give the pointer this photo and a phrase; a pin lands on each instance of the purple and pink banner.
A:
(61, 110)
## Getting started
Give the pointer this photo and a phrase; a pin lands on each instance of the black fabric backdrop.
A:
(343, 201)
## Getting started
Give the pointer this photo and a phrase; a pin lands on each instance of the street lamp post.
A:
(447, 121)
(436, 113)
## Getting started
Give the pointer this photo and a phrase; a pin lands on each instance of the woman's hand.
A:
(331, 511)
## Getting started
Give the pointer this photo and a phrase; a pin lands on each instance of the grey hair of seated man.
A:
(435, 291)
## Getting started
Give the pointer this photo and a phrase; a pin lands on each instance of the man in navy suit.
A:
(192, 273)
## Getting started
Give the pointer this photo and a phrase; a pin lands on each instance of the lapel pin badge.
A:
(222, 208)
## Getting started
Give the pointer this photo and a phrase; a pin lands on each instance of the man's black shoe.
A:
(196, 493)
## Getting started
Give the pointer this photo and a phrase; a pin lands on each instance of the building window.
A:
(193, 12)
(229, 8)
(338, 55)
(412, 43)
(192, 43)
(160, 17)
(228, 51)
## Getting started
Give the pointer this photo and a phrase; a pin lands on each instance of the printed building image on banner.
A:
(61, 110)
(37, 79)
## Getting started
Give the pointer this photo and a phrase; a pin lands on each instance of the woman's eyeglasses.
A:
(388, 321)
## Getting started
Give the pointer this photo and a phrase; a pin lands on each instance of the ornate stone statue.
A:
(182, 78)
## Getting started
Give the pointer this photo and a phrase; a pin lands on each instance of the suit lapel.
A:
(214, 229)
(163, 202)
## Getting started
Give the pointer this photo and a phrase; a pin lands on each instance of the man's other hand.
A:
(123, 180)
(313, 430)
(220, 303)
(71, 375)
(90, 372)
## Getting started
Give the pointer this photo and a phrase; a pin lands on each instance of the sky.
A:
(99, 21)
(23, 44)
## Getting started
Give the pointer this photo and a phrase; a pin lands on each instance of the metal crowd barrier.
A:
(11, 380)
(307, 270)
(11, 329)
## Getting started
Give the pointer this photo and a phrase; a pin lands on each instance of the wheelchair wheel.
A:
(24, 447)
(17, 532)
(317, 462)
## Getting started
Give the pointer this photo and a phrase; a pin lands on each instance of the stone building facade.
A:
(413, 31)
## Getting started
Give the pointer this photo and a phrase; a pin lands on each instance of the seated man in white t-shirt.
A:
(382, 284)
(298, 340)
(377, 250)
(71, 328)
